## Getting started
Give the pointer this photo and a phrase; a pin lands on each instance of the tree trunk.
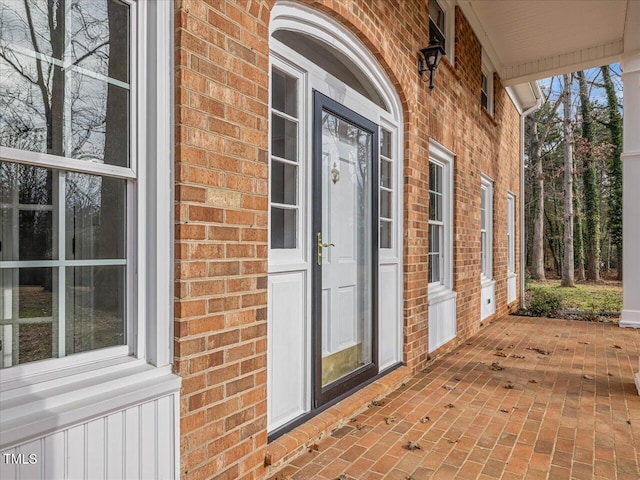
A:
(578, 235)
(567, 264)
(537, 249)
(591, 195)
(615, 168)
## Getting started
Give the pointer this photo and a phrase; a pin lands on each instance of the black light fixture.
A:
(432, 55)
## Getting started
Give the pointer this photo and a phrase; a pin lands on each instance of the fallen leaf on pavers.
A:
(267, 460)
(610, 374)
(449, 387)
(587, 377)
(425, 420)
(469, 343)
(499, 348)
(453, 441)
(509, 386)
(511, 347)
(377, 403)
(517, 355)
(539, 350)
(456, 379)
(629, 422)
(359, 426)
(500, 354)
(353, 420)
(583, 343)
(504, 410)
(507, 334)
(314, 448)
(411, 446)
(389, 420)
(617, 346)
(342, 476)
(533, 381)
(449, 405)
(495, 366)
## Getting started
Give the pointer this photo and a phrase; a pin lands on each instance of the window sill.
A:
(46, 404)
(486, 282)
(440, 294)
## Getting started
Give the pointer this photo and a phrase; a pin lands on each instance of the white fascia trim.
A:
(29, 413)
(524, 105)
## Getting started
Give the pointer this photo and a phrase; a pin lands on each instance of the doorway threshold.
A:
(296, 441)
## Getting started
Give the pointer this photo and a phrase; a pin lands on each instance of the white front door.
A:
(345, 223)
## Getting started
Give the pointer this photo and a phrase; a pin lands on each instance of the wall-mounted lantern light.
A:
(432, 55)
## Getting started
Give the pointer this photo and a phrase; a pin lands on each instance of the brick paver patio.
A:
(526, 398)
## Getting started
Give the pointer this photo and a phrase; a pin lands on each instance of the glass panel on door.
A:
(345, 247)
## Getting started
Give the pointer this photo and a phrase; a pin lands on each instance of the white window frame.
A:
(117, 374)
(444, 158)
(448, 6)
(391, 219)
(284, 257)
(487, 72)
(486, 247)
(511, 232)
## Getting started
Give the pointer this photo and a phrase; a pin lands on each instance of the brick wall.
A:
(221, 67)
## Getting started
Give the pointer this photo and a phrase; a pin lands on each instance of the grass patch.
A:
(588, 297)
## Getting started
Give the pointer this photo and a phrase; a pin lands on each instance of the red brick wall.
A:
(221, 67)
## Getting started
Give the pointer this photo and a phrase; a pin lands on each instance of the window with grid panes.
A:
(436, 223)
(437, 23)
(284, 160)
(386, 190)
(67, 177)
(486, 232)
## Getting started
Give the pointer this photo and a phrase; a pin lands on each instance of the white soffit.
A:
(533, 39)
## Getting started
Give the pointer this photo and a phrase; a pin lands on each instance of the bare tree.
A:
(537, 138)
(591, 194)
(567, 263)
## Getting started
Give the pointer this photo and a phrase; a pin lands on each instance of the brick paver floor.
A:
(526, 398)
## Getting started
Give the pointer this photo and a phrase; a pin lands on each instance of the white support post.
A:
(630, 316)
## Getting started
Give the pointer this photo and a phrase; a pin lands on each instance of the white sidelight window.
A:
(386, 189)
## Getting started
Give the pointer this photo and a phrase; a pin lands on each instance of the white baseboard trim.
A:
(630, 318)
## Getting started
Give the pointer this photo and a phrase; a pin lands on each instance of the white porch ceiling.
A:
(532, 39)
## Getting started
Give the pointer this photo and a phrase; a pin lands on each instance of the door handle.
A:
(320, 246)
